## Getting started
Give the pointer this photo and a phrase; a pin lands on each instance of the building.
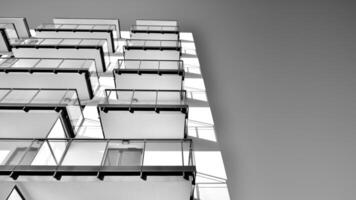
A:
(90, 111)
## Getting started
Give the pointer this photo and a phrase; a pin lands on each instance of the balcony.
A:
(103, 168)
(62, 48)
(19, 25)
(155, 30)
(97, 31)
(152, 49)
(149, 74)
(35, 112)
(144, 114)
(50, 73)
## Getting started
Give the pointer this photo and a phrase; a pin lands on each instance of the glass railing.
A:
(97, 154)
(76, 27)
(155, 44)
(30, 98)
(154, 28)
(57, 42)
(9, 29)
(157, 65)
(152, 98)
(47, 63)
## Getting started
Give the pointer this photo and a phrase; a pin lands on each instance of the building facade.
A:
(90, 111)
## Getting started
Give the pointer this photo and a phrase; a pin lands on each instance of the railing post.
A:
(156, 101)
(142, 161)
(131, 101)
(100, 176)
(181, 144)
(190, 162)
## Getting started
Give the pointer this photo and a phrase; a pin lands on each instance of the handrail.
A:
(59, 26)
(6, 65)
(130, 43)
(38, 42)
(36, 92)
(156, 101)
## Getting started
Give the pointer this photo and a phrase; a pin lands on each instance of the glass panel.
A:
(87, 153)
(30, 153)
(48, 63)
(124, 153)
(58, 147)
(163, 154)
(77, 64)
(143, 97)
(71, 42)
(169, 64)
(49, 97)
(122, 97)
(5, 63)
(12, 151)
(57, 131)
(44, 156)
(19, 96)
(170, 98)
(51, 41)
(25, 63)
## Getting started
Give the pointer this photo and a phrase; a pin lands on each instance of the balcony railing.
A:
(76, 27)
(52, 64)
(56, 42)
(43, 99)
(96, 157)
(157, 100)
(140, 44)
(154, 29)
(150, 66)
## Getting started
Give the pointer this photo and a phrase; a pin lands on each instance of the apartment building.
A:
(91, 111)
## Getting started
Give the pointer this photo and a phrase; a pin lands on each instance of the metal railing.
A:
(153, 98)
(160, 44)
(75, 27)
(141, 65)
(57, 42)
(47, 63)
(155, 28)
(58, 154)
(39, 96)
